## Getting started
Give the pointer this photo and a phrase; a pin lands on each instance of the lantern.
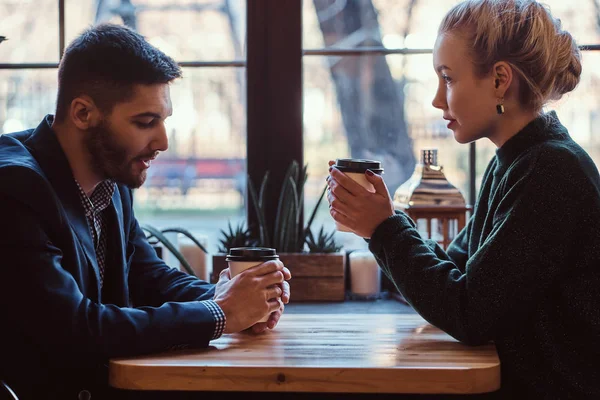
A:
(436, 206)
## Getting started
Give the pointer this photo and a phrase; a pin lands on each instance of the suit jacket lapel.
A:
(117, 242)
(49, 154)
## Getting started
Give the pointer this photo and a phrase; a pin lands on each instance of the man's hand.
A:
(274, 317)
(252, 294)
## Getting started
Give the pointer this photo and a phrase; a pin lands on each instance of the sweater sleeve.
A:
(533, 234)
(458, 249)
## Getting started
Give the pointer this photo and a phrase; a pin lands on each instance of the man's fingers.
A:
(274, 304)
(259, 327)
(285, 297)
(266, 268)
(274, 318)
(287, 275)
(273, 278)
(273, 292)
(225, 273)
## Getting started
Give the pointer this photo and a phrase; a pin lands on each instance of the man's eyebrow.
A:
(442, 67)
(147, 114)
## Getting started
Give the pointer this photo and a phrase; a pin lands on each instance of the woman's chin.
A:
(462, 138)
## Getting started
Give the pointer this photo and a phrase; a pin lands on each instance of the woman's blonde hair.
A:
(524, 34)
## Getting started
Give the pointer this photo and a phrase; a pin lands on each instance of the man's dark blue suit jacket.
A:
(58, 329)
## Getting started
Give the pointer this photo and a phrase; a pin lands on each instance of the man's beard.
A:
(110, 160)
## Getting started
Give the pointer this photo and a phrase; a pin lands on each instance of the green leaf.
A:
(323, 243)
(281, 216)
(188, 234)
(314, 211)
(263, 186)
(282, 224)
(294, 218)
(163, 239)
(289, 229)
(299, 236)
(289, 234)
(236, 237)
(295, 171)
(262, 224)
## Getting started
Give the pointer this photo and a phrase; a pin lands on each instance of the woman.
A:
(525, 271)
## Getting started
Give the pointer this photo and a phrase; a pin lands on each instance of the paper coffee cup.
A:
(242, 258)
(355, 169)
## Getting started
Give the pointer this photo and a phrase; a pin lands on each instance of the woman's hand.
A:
(355, 207)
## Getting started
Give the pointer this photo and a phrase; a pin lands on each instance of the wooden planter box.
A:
(315, 276)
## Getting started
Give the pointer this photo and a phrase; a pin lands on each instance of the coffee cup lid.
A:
(251, 254)
(358, 165)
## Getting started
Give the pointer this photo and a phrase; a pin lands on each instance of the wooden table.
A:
(347, 353)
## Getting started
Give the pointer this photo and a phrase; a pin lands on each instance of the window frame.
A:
(274, 92)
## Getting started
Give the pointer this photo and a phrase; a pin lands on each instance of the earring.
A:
(500, 107)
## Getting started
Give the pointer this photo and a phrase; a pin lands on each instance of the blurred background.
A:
(367, 84)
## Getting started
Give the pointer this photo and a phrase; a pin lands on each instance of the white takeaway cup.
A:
(355, 169)
(242, 258)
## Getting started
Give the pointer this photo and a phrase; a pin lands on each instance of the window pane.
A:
(393, 24)
(31, 27)
(25, 97)
(199, 182)
(414, 24)
(581, 18)
(201, 30)
(579, 111)
(376, 107)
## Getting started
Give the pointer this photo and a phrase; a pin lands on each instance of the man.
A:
(79, 283)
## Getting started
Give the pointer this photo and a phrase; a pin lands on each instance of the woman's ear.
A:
(502, 74)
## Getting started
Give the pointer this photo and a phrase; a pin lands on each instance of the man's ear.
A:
(502, 75)
(84, 113)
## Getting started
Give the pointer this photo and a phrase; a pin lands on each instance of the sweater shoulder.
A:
(560, 163)
(555, 156)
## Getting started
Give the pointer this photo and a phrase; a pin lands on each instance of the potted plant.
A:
(157, 237)
(240, 236)
(315, 260)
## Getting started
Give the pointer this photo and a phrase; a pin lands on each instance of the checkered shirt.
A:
(94, 207)
(218, 315)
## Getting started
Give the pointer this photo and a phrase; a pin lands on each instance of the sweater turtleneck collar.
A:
(543, 128)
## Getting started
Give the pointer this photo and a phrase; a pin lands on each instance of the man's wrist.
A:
(219, 317)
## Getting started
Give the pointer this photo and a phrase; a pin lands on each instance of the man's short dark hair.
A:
(105, 62)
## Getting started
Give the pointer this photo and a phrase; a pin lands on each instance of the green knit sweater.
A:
(525, 271)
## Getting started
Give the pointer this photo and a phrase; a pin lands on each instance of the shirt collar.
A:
(100, 198)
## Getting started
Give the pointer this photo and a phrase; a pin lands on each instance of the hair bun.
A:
(568, 65)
